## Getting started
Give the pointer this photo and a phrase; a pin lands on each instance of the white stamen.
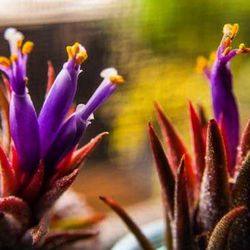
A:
(107, 73)
(13, 36)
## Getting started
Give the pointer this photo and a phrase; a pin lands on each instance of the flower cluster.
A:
(39, 154)
(207, 197)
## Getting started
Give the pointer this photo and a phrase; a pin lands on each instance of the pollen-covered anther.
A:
(4, 61)
(81, 57)
(201, 64)
(27, 47)
(230, 30)
(117, 79)
(13, 58)
(243, 49)
(76, 48)
(19, 43)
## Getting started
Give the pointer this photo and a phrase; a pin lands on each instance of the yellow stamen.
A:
(5, 61)
(27, 47)
(242, 46)
(243, 49)
(19, 43)
(117, 79)
(76, 48)
(229, 31)
(13, 58)
(69, 52)
(235, 30)
(81, 57)
(201, 64)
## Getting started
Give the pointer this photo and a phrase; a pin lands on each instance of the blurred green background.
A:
(157, 44)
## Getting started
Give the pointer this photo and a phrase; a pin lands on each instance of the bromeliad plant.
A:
(207, 197)
(39, 155)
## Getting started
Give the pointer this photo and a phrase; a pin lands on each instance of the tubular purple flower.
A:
(223, 100)
(73, 128)
(23, 119)
(60, 97)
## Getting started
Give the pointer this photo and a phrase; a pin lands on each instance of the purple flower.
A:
(53, 134)
(60, 97)
(223, 100)
(23, 118)
(72, 129)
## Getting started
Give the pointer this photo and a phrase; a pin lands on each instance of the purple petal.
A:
(57, 104)
(225, 107)
(24, 130)
(101, 94)
(70, 132)
(67, 137)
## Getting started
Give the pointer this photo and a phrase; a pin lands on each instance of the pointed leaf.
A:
(80, 155)
(54, 192)
(175, 150)
(35, 234)
(142, 240)
(182, 233)
(56, 240)
(164, 172)
(168, 234)
(4, 104)
(51, 76)
(219, 237)
(214, 195)
(243, 148)
(34, 187)
(74, 159)
(8, 179)
(241, 189)
(203, 120)
(198, 142)
(17, 208)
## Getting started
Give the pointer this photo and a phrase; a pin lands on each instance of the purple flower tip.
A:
(224, 102)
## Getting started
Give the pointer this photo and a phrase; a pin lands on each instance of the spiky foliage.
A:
(206, 197)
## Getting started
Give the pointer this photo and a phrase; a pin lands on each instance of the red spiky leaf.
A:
(8, 178)
(54, 192)
(198, 142)
(142, 240)
(182, 232)
(164, 172)
(203, 120)
(175, 150)
(17, 208)
(214, 195)
(219, 236)
(4, 103)
(241, 189)
(74, 159)
(33, 188)
(35, 234)
(59, 239)
(243, 148)
(50, 76)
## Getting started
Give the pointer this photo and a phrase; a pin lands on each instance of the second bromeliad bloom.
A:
(223, 100)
